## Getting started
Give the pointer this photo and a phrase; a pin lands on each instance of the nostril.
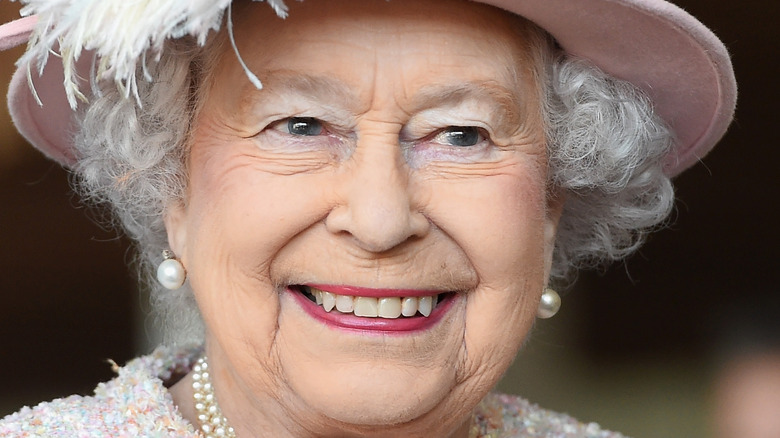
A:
(379, 230)
(419, 224)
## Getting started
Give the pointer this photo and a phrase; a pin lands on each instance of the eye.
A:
(460, 136)
(303, 126)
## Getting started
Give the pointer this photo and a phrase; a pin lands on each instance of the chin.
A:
(371, 379)
(392, 400)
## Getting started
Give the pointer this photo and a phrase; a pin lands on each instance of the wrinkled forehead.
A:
(316, 29)
(408, 21)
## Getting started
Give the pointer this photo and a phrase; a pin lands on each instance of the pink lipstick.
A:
(344, 318)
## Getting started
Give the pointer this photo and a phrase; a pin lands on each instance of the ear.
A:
(556, 198)
(175, 219)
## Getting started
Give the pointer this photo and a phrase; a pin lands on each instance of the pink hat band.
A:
(681, 65)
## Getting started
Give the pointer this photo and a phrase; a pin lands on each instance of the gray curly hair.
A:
(605, 148)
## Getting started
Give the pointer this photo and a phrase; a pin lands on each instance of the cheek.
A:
(499, 222)
(237, 205)
(238, 219)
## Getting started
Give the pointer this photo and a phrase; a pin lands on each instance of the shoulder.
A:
(507, 416)
(135, 403)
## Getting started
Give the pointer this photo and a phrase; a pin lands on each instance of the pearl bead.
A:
(171, 274)
(212, 422)
(549, 304)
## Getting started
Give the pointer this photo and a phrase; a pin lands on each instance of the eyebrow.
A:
(319, 88)
(508, 103)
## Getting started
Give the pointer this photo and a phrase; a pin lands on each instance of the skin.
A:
(381, 198)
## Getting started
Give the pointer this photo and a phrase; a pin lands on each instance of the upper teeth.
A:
(383, 307)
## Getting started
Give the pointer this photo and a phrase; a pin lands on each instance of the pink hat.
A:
(655, 45)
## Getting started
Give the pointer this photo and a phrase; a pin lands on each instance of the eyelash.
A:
(289, 121)
(322, 129)
(435, 145)
(454, 132)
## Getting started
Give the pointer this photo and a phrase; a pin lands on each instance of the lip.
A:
(374, 325)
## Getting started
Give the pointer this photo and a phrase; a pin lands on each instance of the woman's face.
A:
(395, 153)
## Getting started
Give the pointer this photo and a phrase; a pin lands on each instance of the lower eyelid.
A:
(428, 146)
(281, 141)
(419, 158)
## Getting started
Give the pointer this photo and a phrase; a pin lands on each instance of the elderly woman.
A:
(354, 212)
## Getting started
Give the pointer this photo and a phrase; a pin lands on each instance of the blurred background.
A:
(681, 340)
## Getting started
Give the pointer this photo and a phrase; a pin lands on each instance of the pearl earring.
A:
(171, 272)
(549, 304)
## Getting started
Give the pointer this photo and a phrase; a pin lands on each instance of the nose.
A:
(377, 208)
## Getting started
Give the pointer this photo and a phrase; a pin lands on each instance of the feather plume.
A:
(122, 33)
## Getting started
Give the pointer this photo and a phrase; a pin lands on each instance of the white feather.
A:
(123, 33)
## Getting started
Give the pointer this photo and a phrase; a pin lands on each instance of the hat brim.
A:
(682, 66)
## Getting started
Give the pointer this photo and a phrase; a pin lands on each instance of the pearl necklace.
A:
(212, 422)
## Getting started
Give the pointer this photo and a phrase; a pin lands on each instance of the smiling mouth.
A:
(373, 307)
